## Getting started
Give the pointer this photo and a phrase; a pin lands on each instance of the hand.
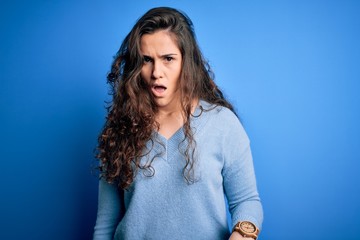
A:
(237, 236)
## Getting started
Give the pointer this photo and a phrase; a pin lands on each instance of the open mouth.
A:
(159, 89)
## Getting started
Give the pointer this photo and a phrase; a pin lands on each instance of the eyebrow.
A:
(162, 56)
(170, 54)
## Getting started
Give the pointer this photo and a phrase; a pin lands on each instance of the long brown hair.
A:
(131, 114)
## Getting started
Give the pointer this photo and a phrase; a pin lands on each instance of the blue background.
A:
(290, 67)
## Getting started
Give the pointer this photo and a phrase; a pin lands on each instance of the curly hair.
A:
(130, 119)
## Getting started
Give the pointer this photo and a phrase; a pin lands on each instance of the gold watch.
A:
(247, 229)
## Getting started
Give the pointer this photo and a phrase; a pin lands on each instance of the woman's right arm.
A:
(110, 211)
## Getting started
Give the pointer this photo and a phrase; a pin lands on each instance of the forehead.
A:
(159, 41)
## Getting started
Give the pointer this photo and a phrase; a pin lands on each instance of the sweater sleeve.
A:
(239, 176)
(110, 211)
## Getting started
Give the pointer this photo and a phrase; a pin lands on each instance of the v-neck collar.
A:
(176, 142)
(193, 121)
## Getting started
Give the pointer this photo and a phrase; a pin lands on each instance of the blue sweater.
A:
(164, 206)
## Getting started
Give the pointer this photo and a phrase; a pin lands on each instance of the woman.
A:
(172, 147)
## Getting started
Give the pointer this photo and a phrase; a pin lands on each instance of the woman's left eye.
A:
(169, 59)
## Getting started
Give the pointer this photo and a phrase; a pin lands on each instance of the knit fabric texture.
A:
(165, 206)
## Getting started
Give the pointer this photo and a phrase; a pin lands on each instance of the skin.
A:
(161, 70)
(237, 236)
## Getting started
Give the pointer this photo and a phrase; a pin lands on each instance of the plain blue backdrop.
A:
(290, 67)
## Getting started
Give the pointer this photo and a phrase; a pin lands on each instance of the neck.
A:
(175, 110)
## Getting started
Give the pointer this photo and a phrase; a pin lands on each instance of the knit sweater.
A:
(165, 206)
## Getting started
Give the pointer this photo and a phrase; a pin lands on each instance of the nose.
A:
(156, 70)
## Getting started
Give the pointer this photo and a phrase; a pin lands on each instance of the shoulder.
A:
(221, 115)
(224, 127)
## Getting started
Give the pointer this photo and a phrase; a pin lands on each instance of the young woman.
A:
(172, 148)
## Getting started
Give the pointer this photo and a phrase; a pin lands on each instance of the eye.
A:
(169, 59)
(147, 59)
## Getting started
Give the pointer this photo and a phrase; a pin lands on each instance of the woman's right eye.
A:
(147, 59)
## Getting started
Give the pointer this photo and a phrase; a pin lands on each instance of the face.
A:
(162, 68)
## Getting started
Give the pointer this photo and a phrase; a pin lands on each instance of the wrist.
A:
(237, 236)
(246, 229)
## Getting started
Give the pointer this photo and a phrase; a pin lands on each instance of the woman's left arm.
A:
(239, 177)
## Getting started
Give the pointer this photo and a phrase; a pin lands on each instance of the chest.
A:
(166, 164)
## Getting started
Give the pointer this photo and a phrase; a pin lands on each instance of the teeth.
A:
(160, 88)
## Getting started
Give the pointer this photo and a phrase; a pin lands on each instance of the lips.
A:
(158, 90)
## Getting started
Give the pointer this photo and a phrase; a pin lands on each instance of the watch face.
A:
(248, 227)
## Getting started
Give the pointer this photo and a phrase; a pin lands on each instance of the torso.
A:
(156, 206)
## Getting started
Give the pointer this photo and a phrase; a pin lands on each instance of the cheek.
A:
(144, 74)
(178, 73)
